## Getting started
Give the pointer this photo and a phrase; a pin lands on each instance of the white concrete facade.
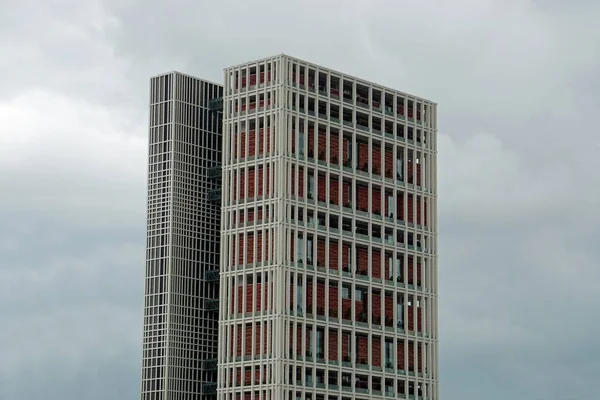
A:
(329, 237)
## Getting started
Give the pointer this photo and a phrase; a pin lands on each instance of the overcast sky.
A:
(518, 88)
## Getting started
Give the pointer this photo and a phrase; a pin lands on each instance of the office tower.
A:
(329, 237)
(183, 236)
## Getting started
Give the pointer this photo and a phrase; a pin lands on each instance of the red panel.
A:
(389, 308)
(322, 185)
(249, 299)
(333, 345)
(299, 340)
(334, 149)
(376, 264)
(363, 156)
(411, 173)
(376, 200)
(400, 356)
(389, 164)
(321, 253)
(322, 145)
(376, 309)
(333, 301)
(362, 255)
(346, 309)
(334, 191)
(363, 198)
(363, 349)
(410, 208)
(248, 346)
(333, 255)
(400, 207)
(376, 349)
(376, 163)
(320, 298)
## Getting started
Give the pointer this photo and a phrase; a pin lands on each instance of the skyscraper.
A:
(183, 235)
(329, 237)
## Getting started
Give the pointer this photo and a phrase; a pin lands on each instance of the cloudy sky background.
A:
(518, 88)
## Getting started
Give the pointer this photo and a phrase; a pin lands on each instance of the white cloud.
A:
(58, 132)
(61, 156)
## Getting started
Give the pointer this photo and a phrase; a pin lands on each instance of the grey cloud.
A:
(60, 45)
(110, 377)
(516, 83)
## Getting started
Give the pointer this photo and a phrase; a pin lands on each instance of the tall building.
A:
(329, 237)
(183, 239)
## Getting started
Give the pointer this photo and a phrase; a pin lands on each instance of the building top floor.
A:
(309, 75)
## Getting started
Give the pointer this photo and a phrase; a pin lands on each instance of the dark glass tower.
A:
(183, 239)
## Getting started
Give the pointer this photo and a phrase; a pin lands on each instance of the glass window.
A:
(349, 341)
(300, 249)
(301, 144)
(399, 168)
(398, 271)
(389, 355)
(346, 292)
(299, 292)
(349, 150)
(400, 314)
(359, 295)
(319, 343)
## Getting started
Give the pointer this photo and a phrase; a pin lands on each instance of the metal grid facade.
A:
(183, 235)
(329, 237)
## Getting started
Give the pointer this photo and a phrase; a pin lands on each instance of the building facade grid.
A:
(183, 240)
(329, 237)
